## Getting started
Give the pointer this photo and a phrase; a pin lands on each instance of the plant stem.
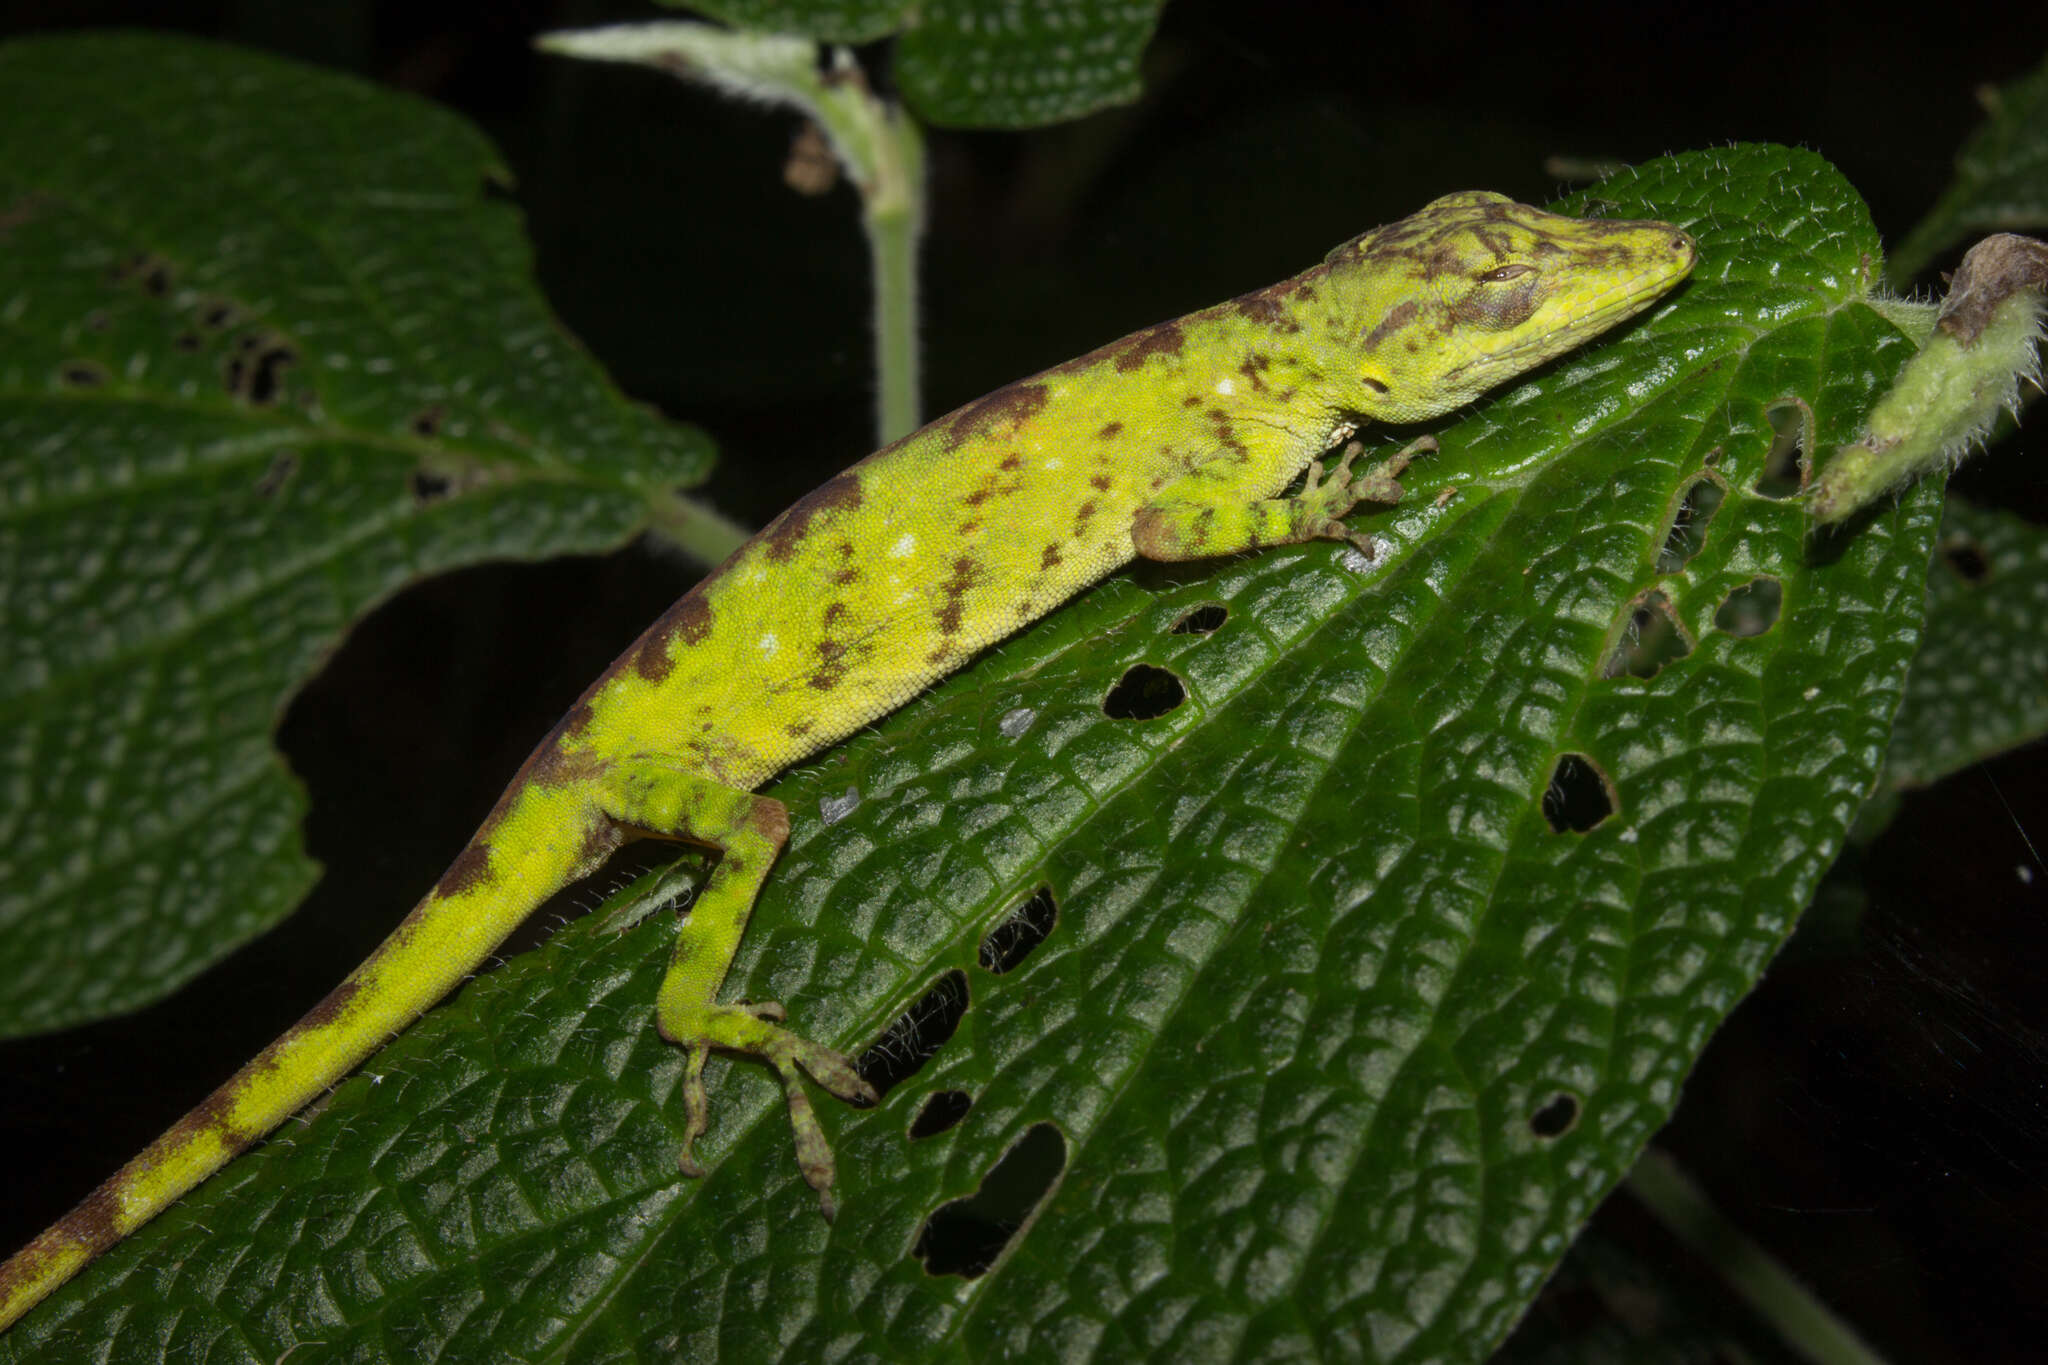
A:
(1758, 1277)
(893, 216)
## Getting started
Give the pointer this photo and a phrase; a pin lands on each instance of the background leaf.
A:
(1341, 1026)
(1976, 688)
(269, 349)
(979, 63)
(2001, 181)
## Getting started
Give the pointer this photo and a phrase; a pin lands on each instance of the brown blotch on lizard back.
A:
(214, 1114)
(841, 493)
(329, 1009)
(96, 1222)
(471, 868)
(651, 657)
(1110, 431)
(1134, 350)
(1012, 406)
(1267, 307)
(967, 571)
(1049, 557)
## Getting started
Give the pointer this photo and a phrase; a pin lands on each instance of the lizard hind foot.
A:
(755, 1029)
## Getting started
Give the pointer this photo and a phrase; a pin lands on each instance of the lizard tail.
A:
(537, 841)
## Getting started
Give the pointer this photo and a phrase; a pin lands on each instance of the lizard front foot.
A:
(756, 1030)
(1340, 492)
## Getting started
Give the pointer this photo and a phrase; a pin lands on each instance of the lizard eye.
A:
(1502, 274)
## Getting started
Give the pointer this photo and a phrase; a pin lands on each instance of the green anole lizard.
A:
(1176, 443)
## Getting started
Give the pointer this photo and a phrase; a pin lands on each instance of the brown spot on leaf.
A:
(787, 532)
(282, 466)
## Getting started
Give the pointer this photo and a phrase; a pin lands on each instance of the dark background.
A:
(1876, 1114)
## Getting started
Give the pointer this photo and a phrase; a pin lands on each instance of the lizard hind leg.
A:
(664, 800)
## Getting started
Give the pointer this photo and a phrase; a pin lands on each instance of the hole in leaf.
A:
(186, 341)
(428, 487)
(1651, 639)
(256, 368)
(282, 467)
(427, 421)
(1558, 1116)
(1689, 525)
(942, 1110)
(1206, 619)
(1144, 692)
(218, 314)
(1010, 942)
(1966, 559)
(156, 280)
(82, 374)
(1752, 608)
(965, 1236)
(1789, 462)
(1578, 797)
(917, 1034)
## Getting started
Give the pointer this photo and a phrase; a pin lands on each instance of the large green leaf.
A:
(979, 63)
(269, 350)
(1344, 1019)
(2001, 182)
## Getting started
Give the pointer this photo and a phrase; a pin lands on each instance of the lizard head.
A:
(1475, 289)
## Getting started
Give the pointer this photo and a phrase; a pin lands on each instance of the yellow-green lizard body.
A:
(1173, 443)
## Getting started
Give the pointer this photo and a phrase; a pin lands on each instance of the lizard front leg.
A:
(653, 796)
(1205, 513)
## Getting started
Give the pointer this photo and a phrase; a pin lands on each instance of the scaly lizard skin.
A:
(1173, 443)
